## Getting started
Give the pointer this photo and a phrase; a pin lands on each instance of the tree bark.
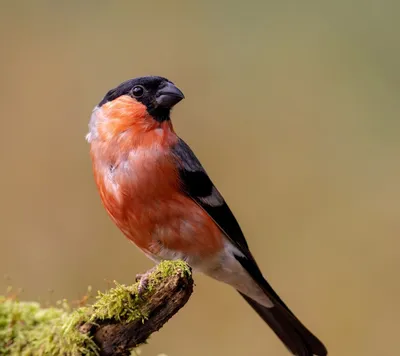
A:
(167, 296)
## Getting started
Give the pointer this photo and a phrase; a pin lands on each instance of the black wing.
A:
(198, 186)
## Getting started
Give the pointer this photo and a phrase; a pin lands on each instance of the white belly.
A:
(223, 267)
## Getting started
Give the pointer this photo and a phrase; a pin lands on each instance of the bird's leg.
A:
(139, 277)
(143, 279)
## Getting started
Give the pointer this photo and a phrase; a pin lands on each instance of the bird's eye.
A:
(137, 91)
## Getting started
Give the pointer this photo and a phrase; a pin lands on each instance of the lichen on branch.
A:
(119, 320)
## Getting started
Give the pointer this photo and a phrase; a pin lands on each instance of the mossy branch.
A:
(120, 319)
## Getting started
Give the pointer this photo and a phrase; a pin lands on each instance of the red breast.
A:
(138, 181)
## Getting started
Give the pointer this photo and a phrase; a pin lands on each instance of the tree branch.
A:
(121, 319)
(164, 298)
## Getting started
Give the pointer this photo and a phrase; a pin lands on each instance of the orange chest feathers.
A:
(141, 193)
(131, 158)
(138, 181)
(134, 181)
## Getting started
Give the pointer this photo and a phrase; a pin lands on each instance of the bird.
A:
(159, 195)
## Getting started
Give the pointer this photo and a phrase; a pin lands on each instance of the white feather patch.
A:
(214, 199)
(228, 269)
(92, 134)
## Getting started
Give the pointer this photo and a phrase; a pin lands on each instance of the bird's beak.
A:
(168, 96)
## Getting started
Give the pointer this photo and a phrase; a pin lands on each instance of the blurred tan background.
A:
(292, 108)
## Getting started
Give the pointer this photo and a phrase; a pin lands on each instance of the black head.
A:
(158, 94)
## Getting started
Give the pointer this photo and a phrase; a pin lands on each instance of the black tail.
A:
(297, 338)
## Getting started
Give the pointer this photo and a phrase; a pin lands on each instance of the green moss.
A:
(120, 303)
(168, 268)
(26, 329)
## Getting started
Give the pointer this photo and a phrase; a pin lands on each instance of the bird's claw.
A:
(143, 280)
